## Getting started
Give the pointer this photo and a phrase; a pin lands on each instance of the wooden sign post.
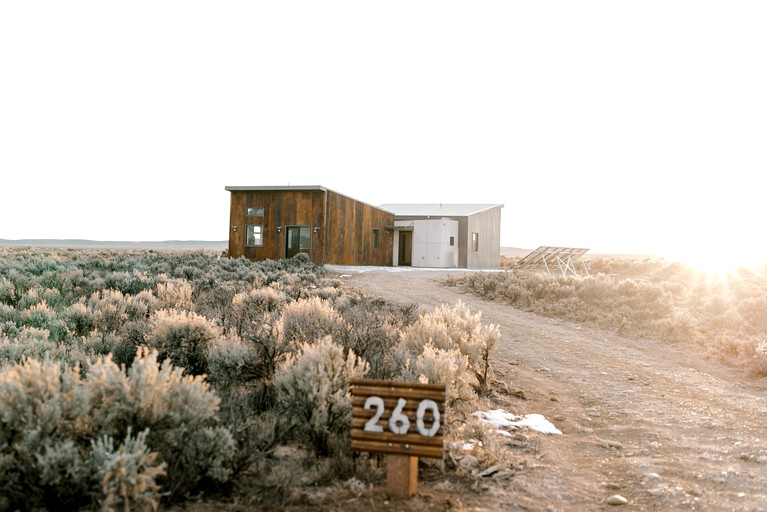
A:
(404, 420)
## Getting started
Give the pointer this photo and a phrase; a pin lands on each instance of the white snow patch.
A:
(501, 419)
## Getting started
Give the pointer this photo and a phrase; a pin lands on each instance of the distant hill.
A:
(219, 245)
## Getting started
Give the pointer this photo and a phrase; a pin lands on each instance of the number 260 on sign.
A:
(399, 423)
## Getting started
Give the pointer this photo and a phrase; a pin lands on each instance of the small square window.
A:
(254, 235)
(452, 241)
(376, 238)
(255, 212)
(475, 242)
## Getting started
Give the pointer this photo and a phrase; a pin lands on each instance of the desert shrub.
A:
(679, 327)
(759, 367)
(141, 305)
(374, 326)
(455, 328)
(324, 292)
(231, 360)
(130, 337)
(310, 319)
(29, 298)
(649, 298)
(58, 429)
(99, 343)
(110, 310)
(753, 310)
(127, 283)
(183, 337)
(78, 318)
(255, 319)
(482, 441)
(216, 303)
(127, 473)
(174, 294)
(9, 314)
(313, 394)
(250, 307)
(7, 292)
(256, 433)
(8, 330)
(38, 315)
(37, 343)
(432, 365)
(180, 412)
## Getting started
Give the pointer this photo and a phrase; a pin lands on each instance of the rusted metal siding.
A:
(344, 226)
(350, 225)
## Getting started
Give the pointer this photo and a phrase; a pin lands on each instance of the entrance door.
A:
(298, 239)
(405, 248)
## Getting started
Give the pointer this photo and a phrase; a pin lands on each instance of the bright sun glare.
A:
(720, 263)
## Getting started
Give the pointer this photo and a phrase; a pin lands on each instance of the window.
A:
(376, 238)
(255, 212)
(254, 235)
(452, 241)
(475, 242)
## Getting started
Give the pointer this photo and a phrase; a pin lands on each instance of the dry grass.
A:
(725, 314)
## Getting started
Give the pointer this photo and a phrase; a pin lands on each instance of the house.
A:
(279, 222)
(447, 235)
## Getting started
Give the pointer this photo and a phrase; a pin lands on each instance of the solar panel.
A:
(552, 258)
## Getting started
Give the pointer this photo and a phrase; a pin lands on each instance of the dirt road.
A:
(651, 422)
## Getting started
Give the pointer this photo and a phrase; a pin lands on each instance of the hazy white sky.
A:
(636, 127)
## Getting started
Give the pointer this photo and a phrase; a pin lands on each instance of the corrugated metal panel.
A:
(437, 210)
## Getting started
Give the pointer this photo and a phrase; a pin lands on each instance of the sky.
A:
(622, 127)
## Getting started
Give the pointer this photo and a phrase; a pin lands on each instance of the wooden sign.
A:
(404, 420)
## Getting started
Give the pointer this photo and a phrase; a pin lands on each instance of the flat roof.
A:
(437, 210)
(286, 187)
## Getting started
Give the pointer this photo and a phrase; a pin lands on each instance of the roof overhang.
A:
(277, 188)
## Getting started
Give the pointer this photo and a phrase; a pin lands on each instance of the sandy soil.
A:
(653, 423)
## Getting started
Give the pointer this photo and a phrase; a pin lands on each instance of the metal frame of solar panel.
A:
(548, 258)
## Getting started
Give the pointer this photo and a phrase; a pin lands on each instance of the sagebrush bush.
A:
(310, 319)
(174, 293)
(231, 361)
(183, 337)
(110, 309)
(78, 318)
(374, 327)
(58, 429)
(7, 292)
(650, 298)
(313, 393)
(455, 328)
(432, 365)
(31, 342)
(128, 474)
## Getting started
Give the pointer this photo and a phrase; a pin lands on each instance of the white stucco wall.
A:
(431, 243)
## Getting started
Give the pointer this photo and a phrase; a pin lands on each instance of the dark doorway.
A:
(405, 248)
(298, 239)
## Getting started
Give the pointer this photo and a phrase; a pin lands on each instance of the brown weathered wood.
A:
(345, 225)
(397, 384)
(401, 475)
(412, 442)
(429, 452)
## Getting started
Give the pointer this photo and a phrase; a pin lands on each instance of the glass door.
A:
(298, 239)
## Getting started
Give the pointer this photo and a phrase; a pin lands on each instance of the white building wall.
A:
(431, 243)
